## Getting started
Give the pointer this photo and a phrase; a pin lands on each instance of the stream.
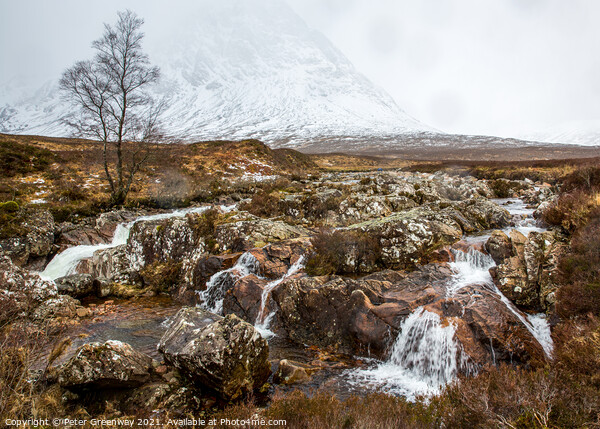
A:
(424, 357)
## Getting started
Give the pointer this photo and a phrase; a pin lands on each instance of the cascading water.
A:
(263, 322)
(540, 325)
(522, 216)
(473, 267)
(212, 297)
(66, 262)
(424, 357)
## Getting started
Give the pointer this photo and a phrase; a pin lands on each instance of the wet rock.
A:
(275, 259)
(244, 297)
(529, 277)
(112, 264)
(70, 234)
(363, 316)
(76, 285)
(109, 365)
(35, 244)
(91, 232)
(291, 372)
(499, 246)
(225, 354)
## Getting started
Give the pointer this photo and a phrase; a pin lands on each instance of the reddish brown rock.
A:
(363, 316)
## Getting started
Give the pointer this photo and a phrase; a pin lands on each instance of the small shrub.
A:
(571, 211)
(263, 205)
(68, 192)
(564, 393)
(70, 212)
(343, 252)
(580, 273)
(584, 178)
(205, 227)
(12, 221)
(161, 276)
(315, 208)
(19, 158)
(324, 410)
(503, 188)
(24, 394)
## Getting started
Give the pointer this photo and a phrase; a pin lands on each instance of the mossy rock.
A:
(9, 207)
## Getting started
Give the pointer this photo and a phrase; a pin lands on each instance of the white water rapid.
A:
(65, 262)
(262, 323)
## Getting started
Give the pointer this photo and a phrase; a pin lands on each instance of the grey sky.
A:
(472, 66)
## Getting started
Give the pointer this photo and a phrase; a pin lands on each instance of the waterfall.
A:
(542, 328)
(66, 262)
(212, 297)
(473, 267)
(262, 323)
(424, 357)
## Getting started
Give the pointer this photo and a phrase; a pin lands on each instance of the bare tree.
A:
(113, 106)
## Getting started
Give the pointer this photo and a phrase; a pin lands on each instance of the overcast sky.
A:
(500, 67)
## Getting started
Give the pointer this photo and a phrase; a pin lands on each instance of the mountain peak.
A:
(244, 68)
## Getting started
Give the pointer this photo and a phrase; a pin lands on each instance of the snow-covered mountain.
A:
(237, 69)
(584, 133)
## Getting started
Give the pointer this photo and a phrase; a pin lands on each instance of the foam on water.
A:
(540, 325)
(424, 357)
(66, 262)
(472, 267)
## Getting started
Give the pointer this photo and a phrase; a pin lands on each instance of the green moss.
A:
(9, 207)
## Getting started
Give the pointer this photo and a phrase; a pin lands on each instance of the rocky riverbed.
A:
(390, 281)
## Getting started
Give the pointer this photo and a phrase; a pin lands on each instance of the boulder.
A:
(112, 264)
(246, 234)
(35, 243)
(76, 285)
(21, 292)
(91, 232)
(360, 207)
(109, 365)
(407, 237)
(61, 306)
(225, 354)
(482, 214)
(529, 277)
(499, 246)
